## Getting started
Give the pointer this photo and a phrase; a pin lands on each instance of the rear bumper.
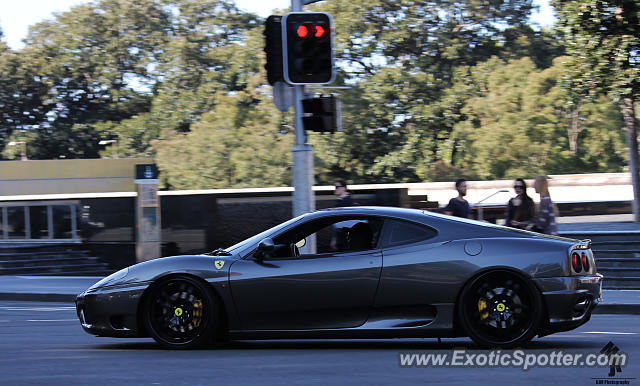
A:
(569, 300)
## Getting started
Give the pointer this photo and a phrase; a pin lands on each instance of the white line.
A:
(37, 308)
(52, 320)
(609, 333)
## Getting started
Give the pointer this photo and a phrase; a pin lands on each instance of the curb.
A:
(629, 309)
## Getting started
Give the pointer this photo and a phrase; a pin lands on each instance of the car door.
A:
(327, 289)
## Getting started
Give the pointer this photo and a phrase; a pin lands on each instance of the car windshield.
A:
(257, 238)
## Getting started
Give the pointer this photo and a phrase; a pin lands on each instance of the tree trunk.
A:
(628, 112)
(574, 129)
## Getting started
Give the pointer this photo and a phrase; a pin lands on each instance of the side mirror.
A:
(265, 247)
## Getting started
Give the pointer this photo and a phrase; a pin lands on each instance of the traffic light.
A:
(273, 48)
(322, 114)
(307, 50)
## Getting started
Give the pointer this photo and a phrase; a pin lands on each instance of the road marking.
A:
(52, 320)
(37, 308)
(609, 333)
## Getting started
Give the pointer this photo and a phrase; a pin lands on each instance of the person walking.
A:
(520, 208)
(545, 220)
(342, 193)
(339, 240)
(458, 206)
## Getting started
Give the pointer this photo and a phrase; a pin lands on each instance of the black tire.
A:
(181, 312)
(500, 309)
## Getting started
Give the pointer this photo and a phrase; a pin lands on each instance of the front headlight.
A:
(121, 274)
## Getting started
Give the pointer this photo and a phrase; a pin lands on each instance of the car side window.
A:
(403, 232)
(335, 234)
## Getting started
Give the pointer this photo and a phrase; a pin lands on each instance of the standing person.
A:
(343, 196)
(545, 220)
(340, 230)
(458, 206)
(521, 207)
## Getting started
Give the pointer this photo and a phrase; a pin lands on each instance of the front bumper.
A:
(569, 300)
(110, 312)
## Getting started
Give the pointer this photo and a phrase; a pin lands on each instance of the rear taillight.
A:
(585, 261)
(576, 262)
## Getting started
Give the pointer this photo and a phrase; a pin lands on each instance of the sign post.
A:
(148, 240)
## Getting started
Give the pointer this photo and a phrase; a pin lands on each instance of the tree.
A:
(238, 145)
(91, 65)
(400, 57)
(516, 125)
(603, 38)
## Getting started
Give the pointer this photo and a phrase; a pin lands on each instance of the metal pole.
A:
(629, 115)
(303, 199)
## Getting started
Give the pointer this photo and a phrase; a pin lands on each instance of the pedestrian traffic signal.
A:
(273, 48)
(307, 48)
(322, 114)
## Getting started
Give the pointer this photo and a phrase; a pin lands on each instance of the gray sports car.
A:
(364, 272)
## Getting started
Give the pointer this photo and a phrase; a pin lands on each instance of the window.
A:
(38, 222)
(62, 224)
(404, 232)
(45, 220)
(16, 220)
(334, 234)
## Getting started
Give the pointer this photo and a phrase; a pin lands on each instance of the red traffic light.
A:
(302, 31)
(307, 49)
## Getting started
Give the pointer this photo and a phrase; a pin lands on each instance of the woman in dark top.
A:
(521, 207)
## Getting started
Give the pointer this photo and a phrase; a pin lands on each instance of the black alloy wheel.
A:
(181, 312)
(500, 309)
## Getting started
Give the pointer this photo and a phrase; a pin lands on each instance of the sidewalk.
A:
(44, 288)
(65, 289)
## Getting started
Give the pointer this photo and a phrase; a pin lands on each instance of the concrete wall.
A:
(68, 176)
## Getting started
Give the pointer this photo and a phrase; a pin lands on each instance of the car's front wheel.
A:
(181, 312)
(500, 309)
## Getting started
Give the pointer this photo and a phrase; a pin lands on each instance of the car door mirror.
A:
(265, 248)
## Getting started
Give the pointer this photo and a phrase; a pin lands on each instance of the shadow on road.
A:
(400, 345)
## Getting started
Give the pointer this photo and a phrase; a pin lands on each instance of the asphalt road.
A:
(43, 343)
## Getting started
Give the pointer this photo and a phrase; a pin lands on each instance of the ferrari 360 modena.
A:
(357, 272)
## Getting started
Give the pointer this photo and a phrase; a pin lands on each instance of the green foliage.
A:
(233, 146)
(603, 38)
(438, 90)
(517, 126)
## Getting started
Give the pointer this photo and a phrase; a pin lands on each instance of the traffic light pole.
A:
(303, 198)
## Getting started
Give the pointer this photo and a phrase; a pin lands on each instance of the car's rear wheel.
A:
(181, 312)
(500, 309)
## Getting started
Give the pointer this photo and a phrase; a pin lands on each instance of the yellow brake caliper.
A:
(482, 305)
(197, 313)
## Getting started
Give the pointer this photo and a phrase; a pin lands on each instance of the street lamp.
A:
(115, 145)
(480, 212)
(24, 148)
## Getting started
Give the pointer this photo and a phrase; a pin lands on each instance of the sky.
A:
(17, 15)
